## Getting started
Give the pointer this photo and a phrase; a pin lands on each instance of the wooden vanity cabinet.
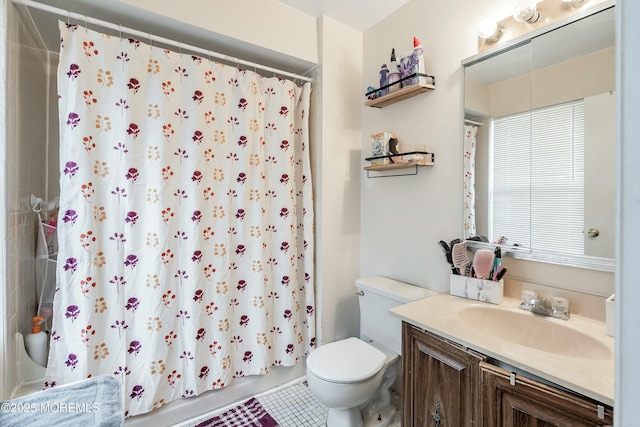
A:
(522, 402)
(441, 381)
(447, 385)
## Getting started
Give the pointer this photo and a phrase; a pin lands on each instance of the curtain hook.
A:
(150, 40)
(120, 30)
(86, 22)
(68, 18)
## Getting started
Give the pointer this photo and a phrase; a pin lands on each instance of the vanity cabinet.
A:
(448, 385)
(441, 381)
(517, 401)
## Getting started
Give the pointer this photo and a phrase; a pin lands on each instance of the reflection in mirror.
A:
(543, 143)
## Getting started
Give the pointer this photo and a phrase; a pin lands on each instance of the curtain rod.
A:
(149, 36)
(471, 122)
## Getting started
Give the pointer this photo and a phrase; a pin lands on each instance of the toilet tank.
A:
(377, 295)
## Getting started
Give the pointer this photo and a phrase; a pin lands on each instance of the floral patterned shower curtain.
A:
(469, 180)
(186, 220)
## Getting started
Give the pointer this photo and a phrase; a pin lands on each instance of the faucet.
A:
(559, 310)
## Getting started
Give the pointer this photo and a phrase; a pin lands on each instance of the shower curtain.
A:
(186, 221)
(469, 180)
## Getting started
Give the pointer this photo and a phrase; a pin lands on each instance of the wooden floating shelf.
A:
(392, 166)
(429, 160)
(400, 94)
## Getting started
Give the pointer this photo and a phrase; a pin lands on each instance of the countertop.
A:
(590, 376)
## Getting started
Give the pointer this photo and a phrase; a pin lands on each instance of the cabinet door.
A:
(524, 402)
(440, 381)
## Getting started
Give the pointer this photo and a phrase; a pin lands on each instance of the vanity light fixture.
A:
(489, 30)
(572, 3)
(526, 11)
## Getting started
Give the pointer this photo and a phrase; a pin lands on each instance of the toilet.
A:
(352, 376)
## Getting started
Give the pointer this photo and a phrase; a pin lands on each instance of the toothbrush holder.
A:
(476, 289)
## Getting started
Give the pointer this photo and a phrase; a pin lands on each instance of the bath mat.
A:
(247, 414)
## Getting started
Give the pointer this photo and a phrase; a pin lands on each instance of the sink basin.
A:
(529, 330)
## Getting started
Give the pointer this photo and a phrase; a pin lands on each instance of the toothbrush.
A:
(501, 274)
(495, 269)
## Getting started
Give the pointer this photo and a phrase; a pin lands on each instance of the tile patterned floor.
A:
(291, 406)
(294, 406)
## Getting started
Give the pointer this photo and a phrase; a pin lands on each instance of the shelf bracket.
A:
(415, 172)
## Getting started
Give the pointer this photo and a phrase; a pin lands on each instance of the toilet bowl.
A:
(350, 375)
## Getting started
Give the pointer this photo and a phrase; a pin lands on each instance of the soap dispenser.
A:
(36, 343)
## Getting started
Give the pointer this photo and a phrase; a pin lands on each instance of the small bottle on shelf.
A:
(394, 73)
(384, 78)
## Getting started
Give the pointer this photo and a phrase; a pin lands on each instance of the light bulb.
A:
(526, 11)
(572, 3)
(488, 30)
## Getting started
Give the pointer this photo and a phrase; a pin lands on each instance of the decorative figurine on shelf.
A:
(394, 149)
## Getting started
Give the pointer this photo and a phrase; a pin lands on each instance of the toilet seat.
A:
(346, 361)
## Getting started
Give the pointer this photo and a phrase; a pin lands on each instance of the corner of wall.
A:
(338, 175)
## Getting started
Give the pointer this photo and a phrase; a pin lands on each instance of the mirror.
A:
(540, 116)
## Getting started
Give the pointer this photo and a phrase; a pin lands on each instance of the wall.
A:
(628, 211)
(4, 294)
(285, 30)
(553, 85)
(26, 133)
(337, 179)
(53, 152)
(403, 218)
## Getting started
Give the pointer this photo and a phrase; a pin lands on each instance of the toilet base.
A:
(382, 419)
(349, 417)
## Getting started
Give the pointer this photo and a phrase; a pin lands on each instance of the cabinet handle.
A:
(436, 415)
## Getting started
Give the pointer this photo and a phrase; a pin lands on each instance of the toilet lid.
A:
(348, 360)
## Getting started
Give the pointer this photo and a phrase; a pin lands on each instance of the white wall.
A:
(267, 24)
(337, 179)
(555, 84)
(403, 218)
(628, 210)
